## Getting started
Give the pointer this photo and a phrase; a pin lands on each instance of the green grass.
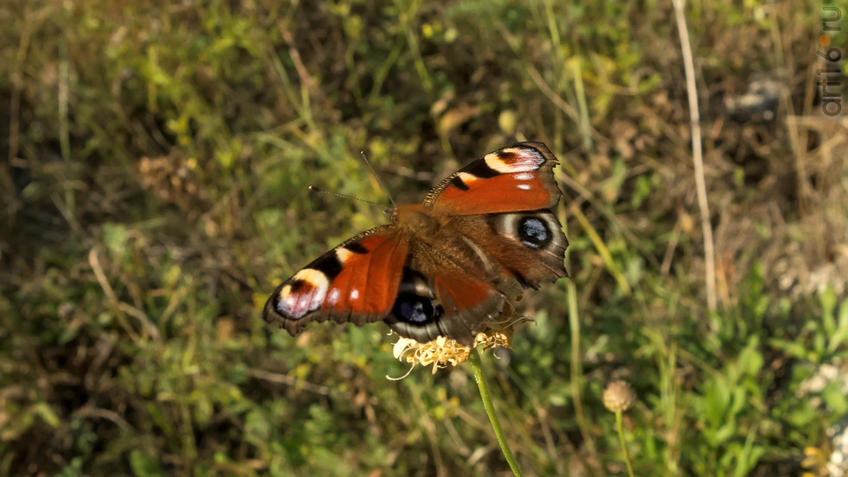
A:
(155, 158)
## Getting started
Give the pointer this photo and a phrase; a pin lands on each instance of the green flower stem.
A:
(623, 445)
(477, 367)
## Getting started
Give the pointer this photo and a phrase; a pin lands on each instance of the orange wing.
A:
(511, 179)
(354, 282)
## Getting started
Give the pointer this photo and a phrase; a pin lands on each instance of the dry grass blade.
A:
(697, 153)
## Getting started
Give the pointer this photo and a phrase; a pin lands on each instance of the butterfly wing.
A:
(527, 247)
(502, 205)
(514, 178)
(449, 302)
(355, 282)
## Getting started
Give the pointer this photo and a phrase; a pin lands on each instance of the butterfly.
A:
(445, 267)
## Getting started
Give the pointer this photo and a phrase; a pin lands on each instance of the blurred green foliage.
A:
(154, 171)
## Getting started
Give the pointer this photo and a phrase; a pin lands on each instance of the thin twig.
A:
(697, 157)
(279, 378)
(123, 308)
(89, 411)
(552, 96)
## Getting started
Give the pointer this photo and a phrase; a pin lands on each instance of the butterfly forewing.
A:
(356, 281)
(514, 178)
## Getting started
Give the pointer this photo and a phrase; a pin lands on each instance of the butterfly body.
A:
(446, 267)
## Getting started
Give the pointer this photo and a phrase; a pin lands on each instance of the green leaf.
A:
(828, 303)
(840, 336)
(115, 237)
(716, 400)
(143, 464)
(835, 398)
(793, 348)
(751, 360)
(44, 411)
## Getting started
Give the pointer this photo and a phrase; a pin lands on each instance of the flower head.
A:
(618, 396)
(443, 351)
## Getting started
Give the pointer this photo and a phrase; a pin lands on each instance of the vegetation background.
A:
(155, 158)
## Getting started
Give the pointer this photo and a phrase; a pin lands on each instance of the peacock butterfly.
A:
(445, 267)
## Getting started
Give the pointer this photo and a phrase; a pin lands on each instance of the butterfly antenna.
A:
(319, 190)
(379, 180)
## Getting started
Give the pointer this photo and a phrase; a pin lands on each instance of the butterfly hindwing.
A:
(528, 246)
(514, 178)
(447, 303)
(354, 282)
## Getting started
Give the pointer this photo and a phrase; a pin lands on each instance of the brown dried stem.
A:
(697, 156)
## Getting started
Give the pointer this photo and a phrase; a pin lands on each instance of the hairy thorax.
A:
(418, 220)
(438, 240)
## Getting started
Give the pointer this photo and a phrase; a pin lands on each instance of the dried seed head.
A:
(442, 351)
(618, 396)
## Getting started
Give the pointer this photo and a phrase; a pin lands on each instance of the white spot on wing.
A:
(333, 297)
(354, 294)
(524, 186)
(525, 176)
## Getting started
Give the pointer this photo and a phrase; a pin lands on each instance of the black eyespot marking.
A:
(296, 286)
(328, 264)
(356, 247)
(506, 156)
(533, 232)
(415, 309)
(458, 183)
(480, 169)
(415, 302)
